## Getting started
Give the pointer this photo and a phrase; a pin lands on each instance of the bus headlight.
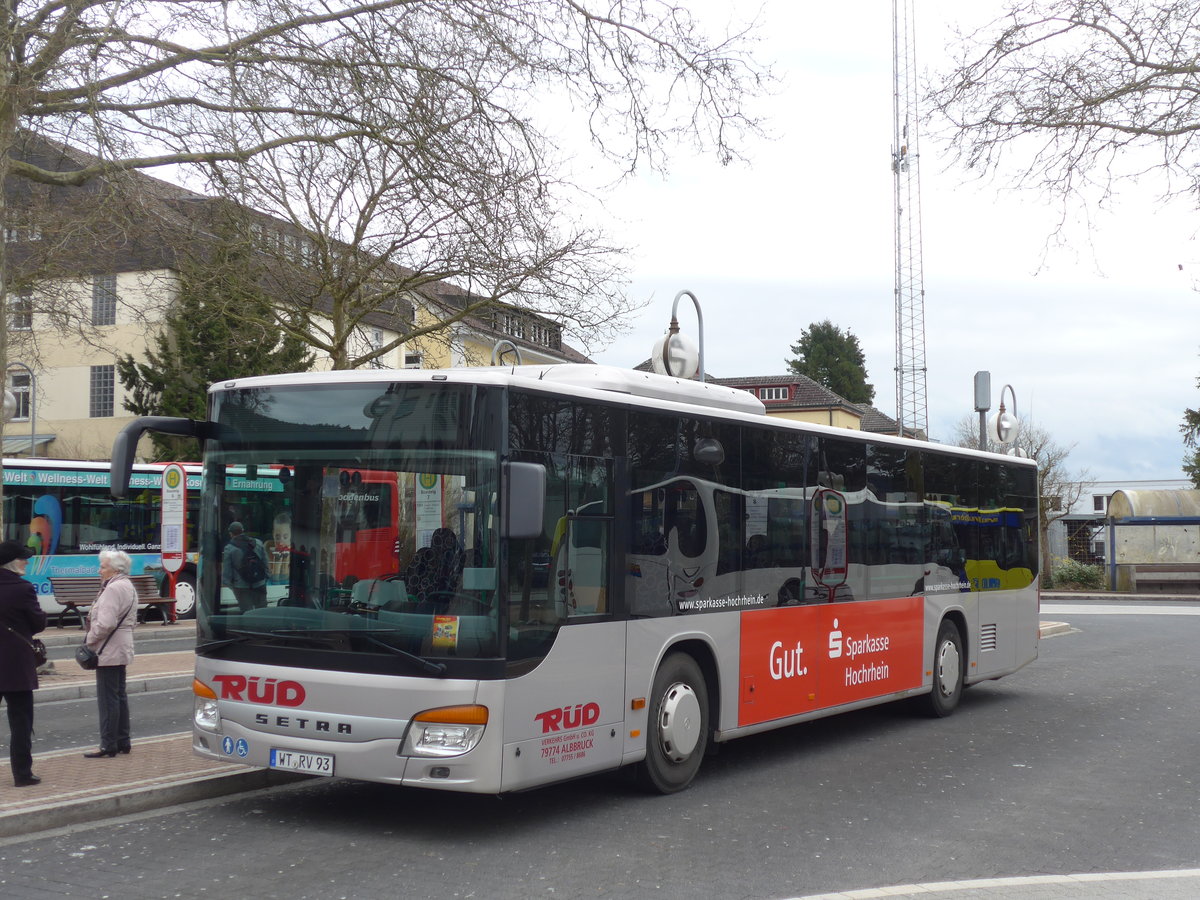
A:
(204, 709)
(446, 731)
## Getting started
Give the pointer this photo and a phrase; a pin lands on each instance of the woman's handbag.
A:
(38, 648)
(87, 657)
(90, 659)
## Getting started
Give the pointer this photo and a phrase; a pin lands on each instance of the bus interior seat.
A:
(434, 570)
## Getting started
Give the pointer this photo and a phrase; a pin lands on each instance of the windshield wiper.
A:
(243, 636)
(425, 665)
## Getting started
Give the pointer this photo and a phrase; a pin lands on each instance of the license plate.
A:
(312, 763)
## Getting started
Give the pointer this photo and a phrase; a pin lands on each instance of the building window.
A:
(512, 325)
(102, 392)
(18, 384)
(104, 300)
(773, 393)
(16, 235)
(20, 313)
(412, 360)
(1098, 502)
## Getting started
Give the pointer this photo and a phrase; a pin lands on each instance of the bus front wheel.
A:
(185, 596)
(948, 664)
(677, 729)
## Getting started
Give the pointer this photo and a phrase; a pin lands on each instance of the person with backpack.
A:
(244, 568)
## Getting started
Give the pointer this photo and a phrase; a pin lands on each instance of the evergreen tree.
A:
(1191, 467)
(833, 359)
(217, 329)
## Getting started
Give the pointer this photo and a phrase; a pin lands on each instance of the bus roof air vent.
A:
(647, 384)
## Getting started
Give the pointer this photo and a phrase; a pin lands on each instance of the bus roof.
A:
(601, 382)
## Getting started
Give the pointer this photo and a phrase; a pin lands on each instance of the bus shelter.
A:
(1154, 542)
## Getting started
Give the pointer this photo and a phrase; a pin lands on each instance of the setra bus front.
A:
(338, 663)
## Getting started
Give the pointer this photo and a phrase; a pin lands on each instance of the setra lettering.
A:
(295, 723)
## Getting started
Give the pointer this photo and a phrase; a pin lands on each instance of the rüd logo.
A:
(260, 690)
(576, 716)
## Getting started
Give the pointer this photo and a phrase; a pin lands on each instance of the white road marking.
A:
(978, 886)
(1079, 609)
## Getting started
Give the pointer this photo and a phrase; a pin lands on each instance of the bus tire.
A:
(185, 596)
(677, 726)
(948, 665)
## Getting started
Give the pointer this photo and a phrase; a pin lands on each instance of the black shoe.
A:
(100, 754)
(124, 749)
(27, 781)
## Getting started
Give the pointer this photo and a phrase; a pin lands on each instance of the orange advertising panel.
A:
(813, 657)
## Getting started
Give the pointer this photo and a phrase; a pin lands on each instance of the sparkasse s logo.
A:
(835, 641)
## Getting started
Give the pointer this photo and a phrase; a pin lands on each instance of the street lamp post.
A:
(502, 346)
(1002, 427)
(675, 343)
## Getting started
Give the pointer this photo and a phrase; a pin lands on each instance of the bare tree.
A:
(1074, 96)
(1069, 92)
(469, 187)
(360, 229)
(441, 94)
(1058, 488)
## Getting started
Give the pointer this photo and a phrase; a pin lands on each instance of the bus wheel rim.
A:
(949, 668)
(185, 598)
(679, 722)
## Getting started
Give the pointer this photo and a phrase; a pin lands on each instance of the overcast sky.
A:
(1100, 339)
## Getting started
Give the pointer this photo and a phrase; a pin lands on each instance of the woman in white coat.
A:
(114, 613)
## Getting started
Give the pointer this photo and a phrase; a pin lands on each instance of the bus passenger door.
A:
(565, 717)
(580, 560)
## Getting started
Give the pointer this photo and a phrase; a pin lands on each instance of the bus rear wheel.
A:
(948, 664)
(677, 729)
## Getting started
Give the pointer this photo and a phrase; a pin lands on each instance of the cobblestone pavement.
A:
(158, 772)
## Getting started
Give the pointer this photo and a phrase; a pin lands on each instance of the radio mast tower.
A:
(911, 413)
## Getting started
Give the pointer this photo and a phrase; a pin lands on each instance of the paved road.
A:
(1079, 766)
(64, 724)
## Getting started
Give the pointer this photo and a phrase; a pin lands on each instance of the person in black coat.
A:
(21, 617)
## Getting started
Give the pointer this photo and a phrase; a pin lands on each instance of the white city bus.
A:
(593, 568)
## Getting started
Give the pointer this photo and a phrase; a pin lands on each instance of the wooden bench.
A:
(76, 596)
(1166, 578)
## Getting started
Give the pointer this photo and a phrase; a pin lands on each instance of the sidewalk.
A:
(159, 772)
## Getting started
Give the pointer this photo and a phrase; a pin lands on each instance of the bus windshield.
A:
(357, 521)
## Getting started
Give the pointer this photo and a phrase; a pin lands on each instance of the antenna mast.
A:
(911, 413)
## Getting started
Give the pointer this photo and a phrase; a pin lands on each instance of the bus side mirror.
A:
(125, 444)
(523, 501)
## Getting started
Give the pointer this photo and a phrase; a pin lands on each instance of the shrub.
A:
(1069, 575)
